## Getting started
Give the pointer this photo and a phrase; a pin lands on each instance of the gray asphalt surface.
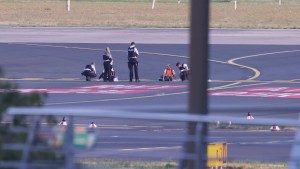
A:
(146, 35)
(57, 56)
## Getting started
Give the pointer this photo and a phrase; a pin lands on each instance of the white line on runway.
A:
(151, 148)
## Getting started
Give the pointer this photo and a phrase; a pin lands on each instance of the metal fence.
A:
(161, 114)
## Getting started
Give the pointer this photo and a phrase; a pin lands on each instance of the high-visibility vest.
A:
(169, 72)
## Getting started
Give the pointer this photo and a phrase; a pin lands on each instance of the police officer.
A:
(89, 71)
(133, 53)
(184, 71)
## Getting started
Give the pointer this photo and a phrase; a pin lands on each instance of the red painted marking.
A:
(108, 89)
(262, 91)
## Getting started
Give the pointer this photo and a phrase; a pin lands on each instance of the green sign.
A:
(82, 138)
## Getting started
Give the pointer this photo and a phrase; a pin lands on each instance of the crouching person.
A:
(184, 71)
(89, 71)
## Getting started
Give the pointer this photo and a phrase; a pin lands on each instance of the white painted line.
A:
(151, 148)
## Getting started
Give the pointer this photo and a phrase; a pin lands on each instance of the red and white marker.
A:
(274, 128)
(63, 122)
(249, 116)
(93, 125)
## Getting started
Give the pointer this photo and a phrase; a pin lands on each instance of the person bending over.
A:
(89, 71)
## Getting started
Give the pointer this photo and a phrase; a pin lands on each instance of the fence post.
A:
(68, 145)
(200, 147)
(68, 4)
(235, 4)
(29, 142)
(295, 157)
(153, 3)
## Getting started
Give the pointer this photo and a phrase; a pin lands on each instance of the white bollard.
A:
(68, 5)
(279, 2)
(153, 3)
(235, 5)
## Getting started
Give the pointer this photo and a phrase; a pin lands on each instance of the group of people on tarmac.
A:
(108, 74)
(169, 73)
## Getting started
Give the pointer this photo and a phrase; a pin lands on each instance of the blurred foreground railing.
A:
(159, 114)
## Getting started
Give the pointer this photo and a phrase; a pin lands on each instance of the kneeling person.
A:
(89, 71)
(184, 71)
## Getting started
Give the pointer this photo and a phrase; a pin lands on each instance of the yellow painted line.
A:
(117, 99)
(73, 47)
(33, 79)
(66, 79)
(57, 46)
(261, 83)
(163, 54)
(256, 81)
(9, 79)
(218, 61)
(39, 79)
(62, 79)
(148, 80)
(256, 72)
(295, 80)
(231, 62)
(246, 85)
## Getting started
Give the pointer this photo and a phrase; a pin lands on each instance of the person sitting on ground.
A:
(184, 71)
(169, 74)
(89, 71)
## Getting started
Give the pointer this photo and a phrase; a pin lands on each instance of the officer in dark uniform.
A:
(184, 71)
(89, 71)
(133, 53)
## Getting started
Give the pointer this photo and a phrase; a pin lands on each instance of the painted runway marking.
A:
(116, 99)
(151, 148)
(233, 84)
(256, 71)
(107, 89)
(262, 91)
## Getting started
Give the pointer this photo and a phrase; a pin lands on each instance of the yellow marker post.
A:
(217, 154)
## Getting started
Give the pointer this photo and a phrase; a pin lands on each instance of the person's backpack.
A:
(111, 75)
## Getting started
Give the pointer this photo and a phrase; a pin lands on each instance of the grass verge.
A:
(138, 13)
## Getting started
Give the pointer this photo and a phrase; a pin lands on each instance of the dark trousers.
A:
(88, 75)
(107, 68)
(184, 75)
(133, 66)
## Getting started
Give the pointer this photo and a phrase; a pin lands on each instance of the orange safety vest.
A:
(169, 72)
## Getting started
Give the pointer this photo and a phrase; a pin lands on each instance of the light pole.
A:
(198, 81)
